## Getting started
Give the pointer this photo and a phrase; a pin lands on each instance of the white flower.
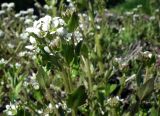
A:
(152, 18)
(46, 48)
(50, 106)
(3, 61)
(32, 40)
(30, 10)
(7, 106)
(21, 54)
(147, 54)
(11, 109)
(28, 21)
(68, 36)
(57, 106)
(11, 5)
(17, 65)
(61, 31)
(40, 111)
(30, 47)
(22, 12)
(139, 6)
(157, 10)
(24, 35)
(117, 97)
(78, 37)
(4, 5)
(9, 113)
(128, 13)
(34, 17)
(1, 33)
(10, 45)
(36, 86)
(36, 31)
(2, 12)
(57, 21)
(45, 22)
(13, 106)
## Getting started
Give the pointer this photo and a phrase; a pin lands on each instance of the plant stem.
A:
(89, 75)
(99, 52)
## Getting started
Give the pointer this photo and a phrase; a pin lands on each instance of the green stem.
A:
(99, 53)
(66, 82)
(89, 75)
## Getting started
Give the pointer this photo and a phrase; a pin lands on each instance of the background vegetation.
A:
(80, 57)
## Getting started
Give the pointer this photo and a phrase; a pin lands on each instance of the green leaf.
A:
(154, 112)
(110, 88)
(68, 52)
(17, 89)
(42, 77)
(38, 95)
(73, 22)
(77, 98)
(84, 50)
(146, 89)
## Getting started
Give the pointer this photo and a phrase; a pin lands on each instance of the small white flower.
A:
(40, 111)
(36, 86)
(24, 36)
(28, 21)
(30, 10)
(22, 12)
(8, 107)
(61, 31)
(57, 106)
(57, 21)
(13, 107)
(21, 19)
(45, 22)
(157, 10)
(17, 15)
(36, 31)
(4, 5)
(2, 12)
(30, 47)
(34, 17)
(10, 45)
(50, 106)
(18, 65)
(46, 115)
(152, 18)
(3, 61)
(68, 36)
(33, 77)
(2, 82)
(9, 113)
(32, 40)
(139, 6)
(21, 54)
(46, 48)
(147, 54)
(128, 13)
(1, 33)
(117, 97)
(11, 5)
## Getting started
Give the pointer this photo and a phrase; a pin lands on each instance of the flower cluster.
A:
(11, 109)
(31, 80)
(7, 7)
(46, 25)
(50, 30)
